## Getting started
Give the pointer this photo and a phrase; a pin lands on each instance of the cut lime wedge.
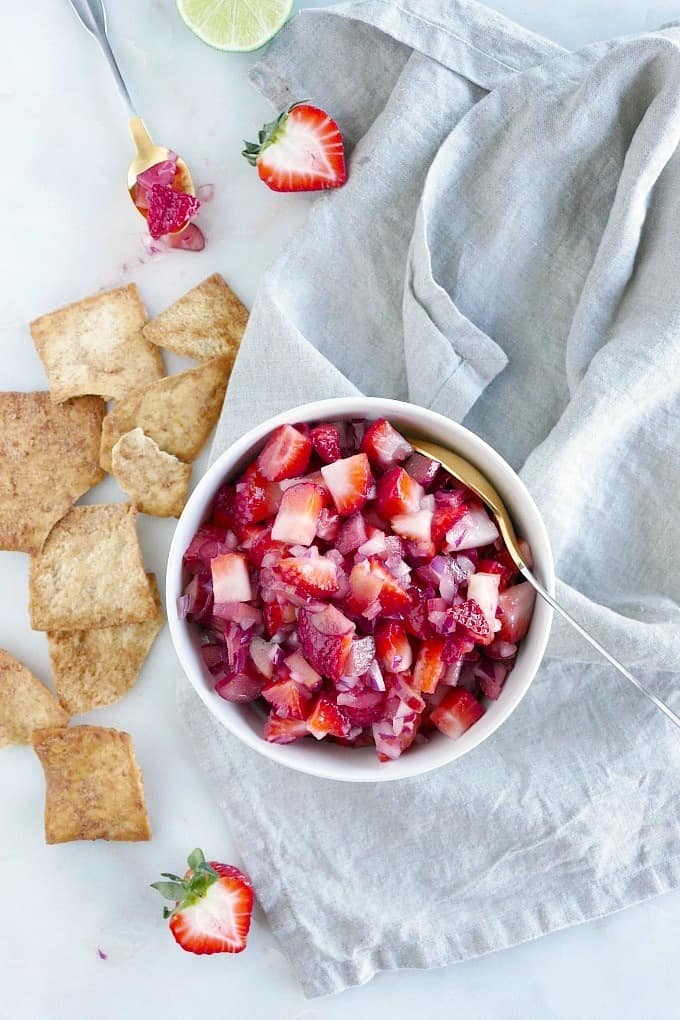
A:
(236, 25)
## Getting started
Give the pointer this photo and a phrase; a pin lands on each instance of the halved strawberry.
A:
(326, 442)
(318, 576)
(393, 647)
(284, 731)
(298, 516)
(286, 454)
(277, 616)
(256, 498)
(397, 493)
(457, 712)
(327, 719)
(326, 640)
(213, 906)
(231, 581)
(430, 665)
(349, 481)
(469, 615)
(383, 445)
(290, 699)
(515, 609)
(301, 150)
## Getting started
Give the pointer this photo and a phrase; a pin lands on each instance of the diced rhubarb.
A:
(318, 576)
(469, 615)
(457, 712)
(298, 516)
(256, 498)
(327, 719)
(349, 481)
(416, 527)
(231, 580)
(473, 529)
(284, 731)
(326, 443)
(290, 700)
(286, 454)
(397, 493)
(515, 609)
(383, 445)
(326, 640)
(393, 647)
(430, 665)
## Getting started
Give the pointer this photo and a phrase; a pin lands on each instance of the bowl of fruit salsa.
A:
(344, 606)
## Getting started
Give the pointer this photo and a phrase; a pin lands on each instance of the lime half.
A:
(236, 25)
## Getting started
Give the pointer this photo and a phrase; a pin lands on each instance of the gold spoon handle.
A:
(92, 15)
(535, 583)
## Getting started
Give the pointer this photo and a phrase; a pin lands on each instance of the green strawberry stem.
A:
(187, 891)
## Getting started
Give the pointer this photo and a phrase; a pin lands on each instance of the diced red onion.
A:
(374, 676)
(205, 192)
(182, 606)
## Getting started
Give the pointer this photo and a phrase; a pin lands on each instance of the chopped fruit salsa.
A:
(356, 589)
(168, 209)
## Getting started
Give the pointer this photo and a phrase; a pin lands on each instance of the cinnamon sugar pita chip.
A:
(49, 456)
(90, 573)
(156, 482)
(93, 784)
(25, 703)
(207, 322)
(96, 346)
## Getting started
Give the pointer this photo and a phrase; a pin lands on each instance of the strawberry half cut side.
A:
(302, 150)
(213, 906)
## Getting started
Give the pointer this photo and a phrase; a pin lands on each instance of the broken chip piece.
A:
(178, 412)
(25, 703)
(207, 322)
(93, 784)
(96, 346)
(90, 573)
(49, 456)
(93, 668)
(156, 482)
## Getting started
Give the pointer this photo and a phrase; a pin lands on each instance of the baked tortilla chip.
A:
(156, 482)
(207, 322)
(49, 456)
(93, 785)
(93, 668)
(25, 703)
(178, 412)
(90, 572)
(96, 346)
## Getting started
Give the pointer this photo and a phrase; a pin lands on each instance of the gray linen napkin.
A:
(506, 251)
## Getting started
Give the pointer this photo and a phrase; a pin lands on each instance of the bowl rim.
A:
(196, 507)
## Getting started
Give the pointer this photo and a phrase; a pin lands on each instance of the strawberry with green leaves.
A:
(302, 150)
(213, 906)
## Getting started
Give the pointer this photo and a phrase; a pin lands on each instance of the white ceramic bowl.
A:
(322, 758)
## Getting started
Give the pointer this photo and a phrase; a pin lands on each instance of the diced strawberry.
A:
(329, 525)
(393, 647)
(286, 454)
(430, 665)
(256, 498)
(449, 508)
(231, 581)
(349, 481)
(470, 616)
(472, 530)
(298, 516)
(360, 657)
(483, 589)
(327, 719)
(277, 616)
(393, 598)
(326, 442)
(223, 507)
(505, 573)
(302, 672)
(259, 542)
(301, 150)
(362, 707)
(515, 609)
(364, 587)
(318, 576)
(352, 534)
(457, 712)
(416, 622)
(263, 654)
(383, 445)
(291, 700)
(417, 527)
(326, 640)
(213, 904)
(284, 731)
(169, 210)
(397, 493)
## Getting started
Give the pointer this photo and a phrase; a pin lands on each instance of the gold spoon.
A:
(469, 475)
(92, 15)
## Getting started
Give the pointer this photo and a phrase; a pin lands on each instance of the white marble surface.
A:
(69, 230)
